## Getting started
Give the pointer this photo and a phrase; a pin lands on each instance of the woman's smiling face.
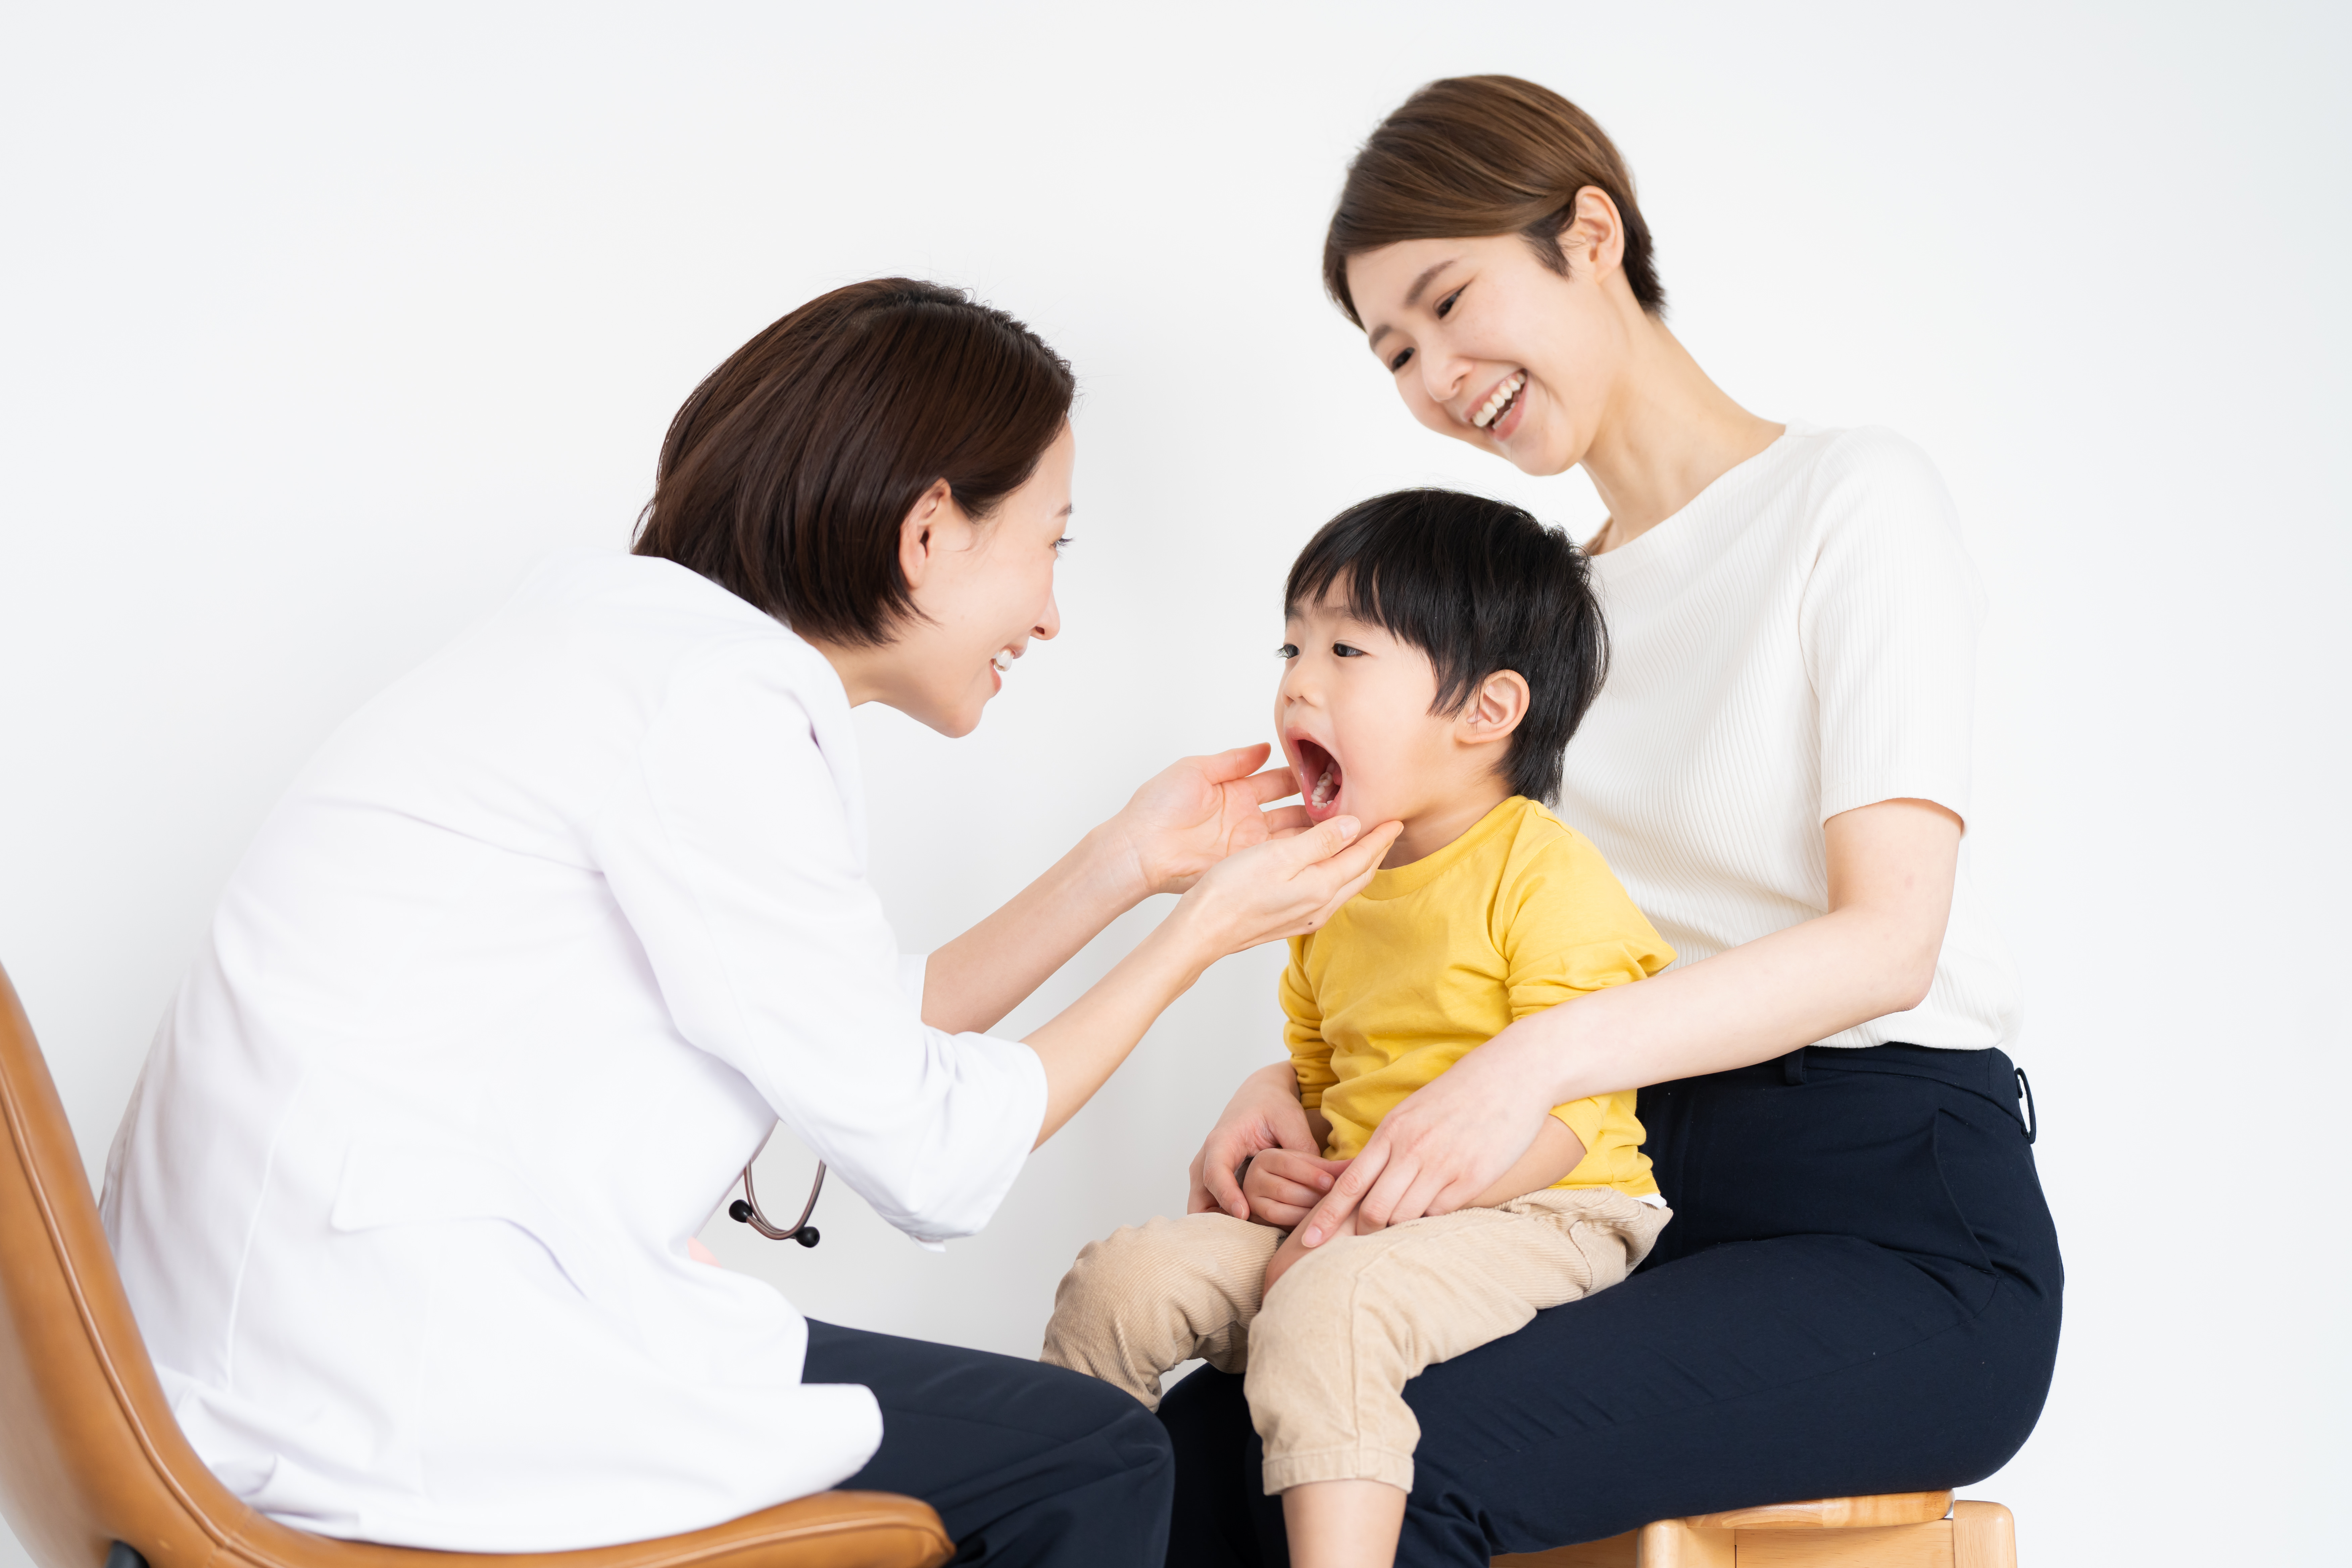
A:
(1490, 346)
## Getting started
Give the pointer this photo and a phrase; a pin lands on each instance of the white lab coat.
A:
(523, 969)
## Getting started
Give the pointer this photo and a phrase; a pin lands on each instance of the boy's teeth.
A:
(1502, 396)
(1325, 789)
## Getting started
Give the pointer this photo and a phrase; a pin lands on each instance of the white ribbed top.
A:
(1798, 641)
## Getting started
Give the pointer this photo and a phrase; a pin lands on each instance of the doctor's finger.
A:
(1300, 854)
(1320, 869)
(1226, 767)
(1285, 821)
(1273, 784)
(1363, 857)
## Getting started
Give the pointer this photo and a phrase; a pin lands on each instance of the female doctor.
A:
(533, 956)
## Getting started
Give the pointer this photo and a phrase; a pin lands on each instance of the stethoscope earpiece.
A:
(745, 1210)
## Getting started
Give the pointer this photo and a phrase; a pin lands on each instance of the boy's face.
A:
(1353, 714)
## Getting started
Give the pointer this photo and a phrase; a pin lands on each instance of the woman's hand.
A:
(1184, 820)
(1252, 896)
(1199, 810)
(1447, 1143)
(1262, 1114)
(1281, 889)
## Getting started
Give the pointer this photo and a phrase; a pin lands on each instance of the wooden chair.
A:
(1904, 1530)
(94, 1471)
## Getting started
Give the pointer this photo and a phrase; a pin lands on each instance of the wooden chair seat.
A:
(92, 1460)
(1900, 1530)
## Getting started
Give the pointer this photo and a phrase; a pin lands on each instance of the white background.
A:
(319, 328)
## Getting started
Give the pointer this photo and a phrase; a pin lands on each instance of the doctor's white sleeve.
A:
(730, 851)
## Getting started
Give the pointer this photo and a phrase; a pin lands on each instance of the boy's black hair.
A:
(1479, 586)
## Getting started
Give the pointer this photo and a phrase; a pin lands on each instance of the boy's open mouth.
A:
(1321, 777)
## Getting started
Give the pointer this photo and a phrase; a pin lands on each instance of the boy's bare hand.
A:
(1283, 1185)
(1264, 1114)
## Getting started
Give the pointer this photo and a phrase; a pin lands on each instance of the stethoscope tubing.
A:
(747, 1210)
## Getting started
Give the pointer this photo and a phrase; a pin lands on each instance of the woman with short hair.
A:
(1860, 1289)
(531, 960)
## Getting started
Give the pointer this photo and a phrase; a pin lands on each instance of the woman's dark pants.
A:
(1859, 1293)
(1026, 1464)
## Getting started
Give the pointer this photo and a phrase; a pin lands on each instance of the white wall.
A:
(320, 327)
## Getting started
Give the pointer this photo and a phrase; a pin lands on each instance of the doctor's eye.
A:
(1287, 651)
(1061, 544)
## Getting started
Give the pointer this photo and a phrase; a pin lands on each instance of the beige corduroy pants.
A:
(1328, 1352)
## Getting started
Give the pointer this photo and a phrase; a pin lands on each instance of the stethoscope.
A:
(746, 1209)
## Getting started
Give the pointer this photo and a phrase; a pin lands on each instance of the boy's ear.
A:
(1495, 709)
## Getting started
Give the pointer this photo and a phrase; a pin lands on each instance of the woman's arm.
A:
(1891, 870)
(1182, 821)
(1555, 1152)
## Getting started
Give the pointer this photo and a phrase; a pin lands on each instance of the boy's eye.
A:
(1445, 306)
(1287, 651)
(1398, 364)
(1344, 651)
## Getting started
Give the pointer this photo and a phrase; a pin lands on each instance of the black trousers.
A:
(1859, 1293)
(1027, 1464)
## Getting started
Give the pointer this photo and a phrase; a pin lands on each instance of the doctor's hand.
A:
(1272, 889)
(1192, 815)
(1283, 887)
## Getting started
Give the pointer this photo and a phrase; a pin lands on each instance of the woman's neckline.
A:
(1596, 547)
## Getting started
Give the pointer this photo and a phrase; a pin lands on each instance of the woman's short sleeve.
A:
(1888, 625)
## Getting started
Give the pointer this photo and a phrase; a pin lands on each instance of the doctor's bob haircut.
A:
(1479, 586)
(785, 478)
(1474, 155)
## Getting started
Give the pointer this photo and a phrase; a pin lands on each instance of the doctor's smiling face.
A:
(982, 591)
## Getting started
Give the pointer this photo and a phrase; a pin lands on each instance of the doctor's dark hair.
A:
(1480, 586)
(785, 478)
(1473, 155)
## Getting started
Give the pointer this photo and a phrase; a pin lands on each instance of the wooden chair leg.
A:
(1675, 1544)
(1984, 1535)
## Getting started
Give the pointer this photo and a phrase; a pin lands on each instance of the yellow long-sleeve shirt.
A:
(1435, 958)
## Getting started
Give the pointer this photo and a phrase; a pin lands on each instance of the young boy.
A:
(1441, 650)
